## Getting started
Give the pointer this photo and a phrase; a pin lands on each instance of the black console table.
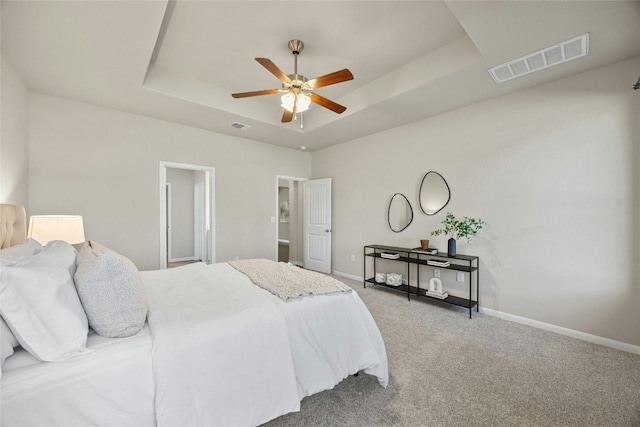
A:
(465, 263)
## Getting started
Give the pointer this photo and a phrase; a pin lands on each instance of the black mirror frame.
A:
(389, 212)
(420, 193)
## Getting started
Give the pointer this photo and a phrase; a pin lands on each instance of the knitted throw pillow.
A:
(111, 291)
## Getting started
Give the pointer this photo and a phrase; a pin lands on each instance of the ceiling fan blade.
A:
(273, 69)
(327, 103)
(330, 79)
(255, 93)
(287, 116)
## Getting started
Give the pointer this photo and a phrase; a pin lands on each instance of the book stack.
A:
(436, 294)
(438, 263)
(390, 255)
(431, 251)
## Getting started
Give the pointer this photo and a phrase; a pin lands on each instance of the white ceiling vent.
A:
(239, 126)
(545, 58)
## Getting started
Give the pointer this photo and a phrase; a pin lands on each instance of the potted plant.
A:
(458, 229)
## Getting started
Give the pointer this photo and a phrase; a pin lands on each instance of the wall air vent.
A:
(239, 126)
(553, 55)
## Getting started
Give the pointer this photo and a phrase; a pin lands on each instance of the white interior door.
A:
(317, 225)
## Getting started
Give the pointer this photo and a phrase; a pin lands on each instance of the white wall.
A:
(553, 170)
(104, 164)
(14, 137)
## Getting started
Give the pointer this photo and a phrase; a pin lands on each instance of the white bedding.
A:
(221, 354)
(224, 352)
(332, 337)
(112, 386)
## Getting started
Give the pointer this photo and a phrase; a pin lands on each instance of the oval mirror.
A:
(400, 213)
(434, 193)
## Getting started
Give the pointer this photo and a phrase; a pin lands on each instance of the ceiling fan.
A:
(297, 90)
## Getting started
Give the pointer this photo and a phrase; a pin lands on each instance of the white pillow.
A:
(38, 300)
(13, 254)
(111, 291)
(9, 341)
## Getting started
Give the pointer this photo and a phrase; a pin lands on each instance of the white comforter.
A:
(226, 352)
(221, 353)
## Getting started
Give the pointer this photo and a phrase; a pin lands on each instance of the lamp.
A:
(45, 228)
(301, 101)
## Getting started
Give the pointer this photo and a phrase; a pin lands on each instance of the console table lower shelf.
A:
(402, 288)
(453, 300)
(461, 263)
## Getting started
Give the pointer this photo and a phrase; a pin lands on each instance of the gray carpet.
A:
(447, 370)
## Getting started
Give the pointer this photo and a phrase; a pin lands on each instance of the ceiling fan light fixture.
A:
(301, 101)
(288, 99)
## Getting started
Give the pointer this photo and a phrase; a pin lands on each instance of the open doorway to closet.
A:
(187, 207)
(303, 222)
(289, 237)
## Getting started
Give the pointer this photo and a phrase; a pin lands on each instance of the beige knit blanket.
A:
(287, 281)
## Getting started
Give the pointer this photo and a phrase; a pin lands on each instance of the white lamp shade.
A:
(301, 101)
(288, 99)
(45, 228)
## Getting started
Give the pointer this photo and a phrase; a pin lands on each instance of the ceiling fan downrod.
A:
(295, 46)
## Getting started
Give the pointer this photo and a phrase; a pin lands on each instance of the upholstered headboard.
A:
(13, 225)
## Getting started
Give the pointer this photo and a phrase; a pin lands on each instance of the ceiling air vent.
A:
(553, 55)
(239, 126)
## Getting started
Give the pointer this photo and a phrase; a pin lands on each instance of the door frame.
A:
(277, 209)
(199, 221)
(210, 178)
(167, 228)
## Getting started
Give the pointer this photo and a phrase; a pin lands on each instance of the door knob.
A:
(328, 230)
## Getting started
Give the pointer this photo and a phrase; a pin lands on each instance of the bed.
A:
(214, 348)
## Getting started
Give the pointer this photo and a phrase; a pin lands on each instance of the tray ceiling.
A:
(180, 61)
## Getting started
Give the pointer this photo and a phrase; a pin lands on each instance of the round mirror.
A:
(434, 193)
(400, 213)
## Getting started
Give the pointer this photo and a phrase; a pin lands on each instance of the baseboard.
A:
(348, 276)
(618, 345)
(188, 258)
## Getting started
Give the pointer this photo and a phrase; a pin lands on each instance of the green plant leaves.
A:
(464, 228)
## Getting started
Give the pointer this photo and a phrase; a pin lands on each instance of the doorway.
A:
(187, 209)
(303, 222)
(288, 219)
